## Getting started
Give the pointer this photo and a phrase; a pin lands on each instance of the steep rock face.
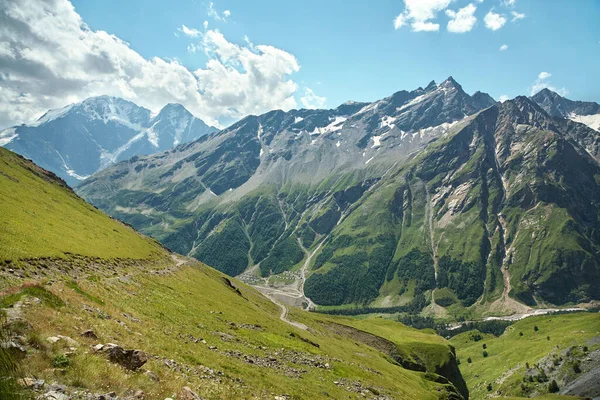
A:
(585, 112)
(558, 106)
(80, 139)
(425, 196)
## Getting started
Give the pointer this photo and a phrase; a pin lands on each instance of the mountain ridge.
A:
(79, 139)
(405, 197)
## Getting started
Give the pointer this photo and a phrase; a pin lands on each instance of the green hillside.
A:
(40, 217)
(559, 343)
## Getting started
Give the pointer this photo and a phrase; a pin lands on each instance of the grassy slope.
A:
(511, 351)
(39, 217)
(195, 301)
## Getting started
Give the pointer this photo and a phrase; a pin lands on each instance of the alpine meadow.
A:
(274, 200)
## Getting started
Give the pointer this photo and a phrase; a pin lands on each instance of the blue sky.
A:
(350, 49)
(270, 54)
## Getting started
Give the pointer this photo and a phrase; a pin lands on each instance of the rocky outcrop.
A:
(130, 359)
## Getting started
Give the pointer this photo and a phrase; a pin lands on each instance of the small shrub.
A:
(585, 349)
(548, 338)
(535, 328)
(553, 387)
(469, 360)
(484, 346)
(61, 361)
(485, 353)
(489, 387)
(520, 333)
(576, 367)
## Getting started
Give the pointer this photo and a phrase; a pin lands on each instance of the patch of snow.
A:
(77, 176)
(437, 130)
(261, 152)
(68, 170)
(313, 141)
(376, 141)
(414, 101)
(51, 115)
(152, 136)
(260, 131)
(593, 121)
(7, 135)
(338, 144)
(107, 158)
(369, 160)
(369, 107)
(298, 119)
(336, 125)
(182, 127)
(387, 121)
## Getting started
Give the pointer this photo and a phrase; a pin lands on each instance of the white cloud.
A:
(418, 14)
(191, 32)
(509, 3)
(504, 47)
(462, 21)
(205, 24)
(503, 98)
(517, 16)
(494, 21)
(213, 13)
(311, 100)
(542, 83)
(50, 58)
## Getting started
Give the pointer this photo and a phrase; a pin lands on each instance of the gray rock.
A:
(130, 359)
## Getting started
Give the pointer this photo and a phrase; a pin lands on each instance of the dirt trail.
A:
(303, 270)
(284, 312)
(178, 260)
(291, 294)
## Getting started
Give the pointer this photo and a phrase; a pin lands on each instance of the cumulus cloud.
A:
(544, 75)
(503, 98)
(542, 83)
(191, 32)
(517, 16)
(419, 13)
(50, 58)
(504, 47)
(213, 13)
(494, 21)
(462, 20)
(311, 100)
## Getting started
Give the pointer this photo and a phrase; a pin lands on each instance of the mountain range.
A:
(80, 139)
(431, 199)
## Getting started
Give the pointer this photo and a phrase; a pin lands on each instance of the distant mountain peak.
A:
(431, 86)
(79, 139)
(450, 83)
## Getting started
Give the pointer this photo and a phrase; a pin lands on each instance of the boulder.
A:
(14, 349)
(89, 334)
(130, 359)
